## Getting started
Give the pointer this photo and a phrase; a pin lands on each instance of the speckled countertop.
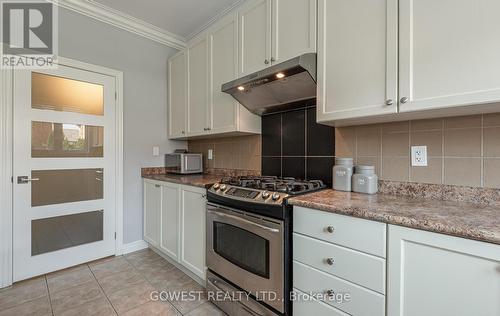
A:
(463, 219)
(198, 180)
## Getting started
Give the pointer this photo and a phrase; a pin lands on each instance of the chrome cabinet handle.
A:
(266, 61)
(273, 59)
(330, 292)
(404, 100)
(157, 185)
(330, 261)
(25, 179)
(183, 132)
(330, 229)
(389, 102)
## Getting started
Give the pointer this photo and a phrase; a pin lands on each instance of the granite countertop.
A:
(198, 180)
(463, 219)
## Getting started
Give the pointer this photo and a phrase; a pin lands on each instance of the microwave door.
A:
(192, 163)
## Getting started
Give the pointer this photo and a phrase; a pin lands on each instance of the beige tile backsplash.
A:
(461, 150)
(235, 152)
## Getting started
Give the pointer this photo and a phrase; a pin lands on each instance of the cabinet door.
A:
(169, 230)
(177, 95)
(254, 36)
(193, 209)
(223, 40)
(152, 206)
(449, 53)
(293, 28)
(198, 87)
(357, 58)
(437, 275)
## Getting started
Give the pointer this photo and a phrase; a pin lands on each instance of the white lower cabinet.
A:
(174, 222)
(437, 275)
(340, 259)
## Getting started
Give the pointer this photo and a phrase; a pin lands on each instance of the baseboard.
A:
(134, 246)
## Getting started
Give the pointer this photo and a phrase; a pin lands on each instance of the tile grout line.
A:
(105, 295)
(48, 292)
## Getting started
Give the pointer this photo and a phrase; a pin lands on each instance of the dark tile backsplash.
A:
(294, 145)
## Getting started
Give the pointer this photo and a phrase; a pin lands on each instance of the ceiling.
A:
(180, 17)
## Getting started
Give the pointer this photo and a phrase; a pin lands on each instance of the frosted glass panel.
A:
(63, 94)
(65, 186)
(66, 140)
(50, 234)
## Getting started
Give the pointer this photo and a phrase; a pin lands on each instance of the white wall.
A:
(144, 66)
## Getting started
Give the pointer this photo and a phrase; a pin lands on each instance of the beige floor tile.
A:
(207, 309)
(131, 297)
(195, 296)
(143, 257)
(23, 292)
(153, 309)
(120, 280)
(98, 307)
(76, 296)
(169, 280)
(155, 265)
(68, 278)
(109, 267)
(39, 307)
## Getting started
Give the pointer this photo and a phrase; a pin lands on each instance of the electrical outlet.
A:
(210, 154)
(419, 156)
(156, 151)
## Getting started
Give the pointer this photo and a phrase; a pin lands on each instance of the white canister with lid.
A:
(342, 174)
(365, 180)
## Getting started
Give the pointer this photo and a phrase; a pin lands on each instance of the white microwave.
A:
(184, 163)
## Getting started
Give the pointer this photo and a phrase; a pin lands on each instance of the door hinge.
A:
(115, 235)
(116, 96)
(12, 179)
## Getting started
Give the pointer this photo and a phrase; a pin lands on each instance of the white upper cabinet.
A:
(449, 53)
(437, 275)
(223, 62)
(255, 36)
(198, 86)
(177, 95)
(357, 58)
(293, 28)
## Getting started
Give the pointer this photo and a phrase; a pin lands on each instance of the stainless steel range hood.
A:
(278, 87)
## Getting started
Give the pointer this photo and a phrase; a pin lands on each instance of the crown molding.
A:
(123, 21)
(214, 19)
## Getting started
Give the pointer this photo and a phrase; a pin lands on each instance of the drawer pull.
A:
(330, 261)
(330, 293)
(330, 229)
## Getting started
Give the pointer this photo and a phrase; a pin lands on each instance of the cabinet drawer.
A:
(356, 233)
(304, 305)
(363, 302)
(356, 267)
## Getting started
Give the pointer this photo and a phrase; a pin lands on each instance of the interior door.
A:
(64, 169)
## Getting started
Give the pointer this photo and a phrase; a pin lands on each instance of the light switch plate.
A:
(210, 154)
(156, 151)
(419, 156)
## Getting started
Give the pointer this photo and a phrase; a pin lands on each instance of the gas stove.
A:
(264, 189)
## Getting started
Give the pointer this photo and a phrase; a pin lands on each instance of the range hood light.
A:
(280, 75)
(241, 88)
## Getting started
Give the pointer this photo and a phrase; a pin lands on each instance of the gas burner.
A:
(286, 185)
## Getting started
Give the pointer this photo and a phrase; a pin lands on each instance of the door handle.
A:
(25, 179)
(242, 220)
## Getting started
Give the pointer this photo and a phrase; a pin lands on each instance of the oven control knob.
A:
(216, 186)
(275, 196)
(265, 195)
(223, 187)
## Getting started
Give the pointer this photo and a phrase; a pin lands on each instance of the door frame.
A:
(6, 163)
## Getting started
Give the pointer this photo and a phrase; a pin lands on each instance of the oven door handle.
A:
(242, 220)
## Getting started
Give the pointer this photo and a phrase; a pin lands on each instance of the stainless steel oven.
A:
(248, 251)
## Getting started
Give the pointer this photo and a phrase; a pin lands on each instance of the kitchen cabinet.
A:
(192, 213)
(174, 223)
(357, 59)
(170, 219)
(152, 209)
(339, 254)
(389, 60)
(448, 53)
(198, 86)
(272, 31)
(177, 95)
(437, 275)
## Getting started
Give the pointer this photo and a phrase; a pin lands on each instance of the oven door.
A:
(247, 250)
